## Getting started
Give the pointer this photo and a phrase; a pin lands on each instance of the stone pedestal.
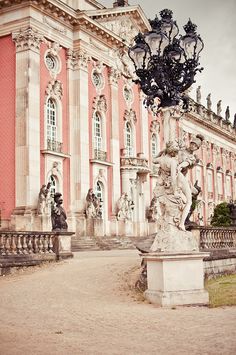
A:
(62, 245)
(175, 278)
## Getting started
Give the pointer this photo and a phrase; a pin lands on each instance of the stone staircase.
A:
(101, 243)
(83, 243)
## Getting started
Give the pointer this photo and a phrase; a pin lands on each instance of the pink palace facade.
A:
(70, 114)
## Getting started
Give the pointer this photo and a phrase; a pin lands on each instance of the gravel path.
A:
(83, 306)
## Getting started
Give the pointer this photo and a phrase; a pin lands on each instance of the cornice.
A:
(66, 16)
(210, 125)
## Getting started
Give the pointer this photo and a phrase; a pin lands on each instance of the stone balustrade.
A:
(23, 243)
(137, 163)
(19, 249)
(217, 237)
(54, 146)
(100, 155)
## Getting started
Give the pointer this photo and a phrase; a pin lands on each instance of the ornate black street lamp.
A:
(166, 62)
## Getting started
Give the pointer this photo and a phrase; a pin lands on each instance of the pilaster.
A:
(115, 144)
(27, 116)
(77, 66)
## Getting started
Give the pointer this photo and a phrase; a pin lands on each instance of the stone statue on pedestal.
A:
(93, 206)
(174, 194)
(124, 208)
(209, 103)
(58, 214)
(198, 94)
(44, 199)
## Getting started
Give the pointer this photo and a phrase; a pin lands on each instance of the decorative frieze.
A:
(54, 25)
(100, 104)
(124, 64)
(77, 59)
(54, 89)
(130, 116)
(155, 127)
(27, 39)
(114, 76)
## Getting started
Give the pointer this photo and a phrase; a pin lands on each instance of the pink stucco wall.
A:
(7, 124)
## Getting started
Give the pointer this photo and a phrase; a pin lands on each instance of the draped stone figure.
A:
(44, 199)
(209, 103)
(93, 206)
(198, 94)
(124, 208)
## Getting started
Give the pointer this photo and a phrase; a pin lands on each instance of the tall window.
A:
(53, 186)
(98, 190)
(51, 120)
(199, 175)
(97, 131)
(128, 139)
(228, 185)
(209, 181)
(154, 145)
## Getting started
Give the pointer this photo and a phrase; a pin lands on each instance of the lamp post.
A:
(165, 62)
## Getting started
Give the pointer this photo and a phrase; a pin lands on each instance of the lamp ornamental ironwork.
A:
(165, 62)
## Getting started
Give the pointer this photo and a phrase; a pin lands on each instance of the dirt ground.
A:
(84, 306)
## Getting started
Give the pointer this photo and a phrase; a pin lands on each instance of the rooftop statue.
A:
(219, 109)
(209, 103)
(198, 94)
(227, 113)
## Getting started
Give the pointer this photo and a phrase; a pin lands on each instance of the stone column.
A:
(115, 144)
(27, 117)
(77, 67)
(169, 116)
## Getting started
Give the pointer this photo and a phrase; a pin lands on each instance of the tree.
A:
(221, 217)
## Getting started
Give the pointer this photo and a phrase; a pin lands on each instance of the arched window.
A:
(154, 148)
(51, 121)
(98, 191)
(97, 131)
(53, 187)
(129, 139)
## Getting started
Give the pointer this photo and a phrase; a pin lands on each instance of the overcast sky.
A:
(217, 26)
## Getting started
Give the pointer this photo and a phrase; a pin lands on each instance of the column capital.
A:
(27, 38)
(77, 59)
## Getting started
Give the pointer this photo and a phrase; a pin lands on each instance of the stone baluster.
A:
(19, 245)
(7, 244)
(30, 246)
(13, 244)
(35, 244)
(50, 244)
(2, 246)
(40, 244)
(45, 243)
(24, 244)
